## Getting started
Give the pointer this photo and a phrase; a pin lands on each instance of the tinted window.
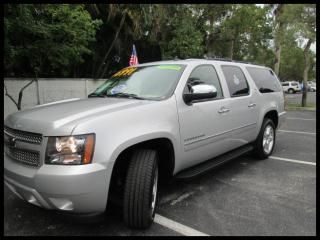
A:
(155, 82)
(204, 74)
(264, 79)
(236, 81)
(285, 84)
(294, 84)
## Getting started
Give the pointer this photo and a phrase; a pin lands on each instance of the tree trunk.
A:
(305, 73)
(21, 93)
(278, 57)
(231, 48)
(277, 40)
(17, 103)
(98, 75)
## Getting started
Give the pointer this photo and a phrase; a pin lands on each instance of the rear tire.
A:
(264, 144)
(141, 187)
(291, 91)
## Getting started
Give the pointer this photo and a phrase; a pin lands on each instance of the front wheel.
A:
(264, 144)
(291, 91)
(141, 188)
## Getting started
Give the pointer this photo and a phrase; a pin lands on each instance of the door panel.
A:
(243, 105)
(204, 126)
(205, 133)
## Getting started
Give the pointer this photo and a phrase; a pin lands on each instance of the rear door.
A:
(243, 107)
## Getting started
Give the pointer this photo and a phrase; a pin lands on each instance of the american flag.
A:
(134, 57)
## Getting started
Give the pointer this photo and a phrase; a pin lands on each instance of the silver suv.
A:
(146, 123)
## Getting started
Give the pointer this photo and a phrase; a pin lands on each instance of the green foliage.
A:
(292, 62)
(79, 40)
(46, 38)
(186, 40)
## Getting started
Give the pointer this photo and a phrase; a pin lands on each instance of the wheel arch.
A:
(273, 115)
(163, 145)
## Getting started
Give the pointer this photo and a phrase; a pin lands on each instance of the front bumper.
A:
(77, 189)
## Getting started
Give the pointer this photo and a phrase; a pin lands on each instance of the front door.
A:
(205, 126)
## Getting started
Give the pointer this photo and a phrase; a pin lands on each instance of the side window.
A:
(204, 74)
(237, 82)
(264, 79)
(285, 84)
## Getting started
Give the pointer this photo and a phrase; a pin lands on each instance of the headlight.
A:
(71, 150)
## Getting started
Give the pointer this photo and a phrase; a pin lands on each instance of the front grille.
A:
(28, 137)
(31, 158)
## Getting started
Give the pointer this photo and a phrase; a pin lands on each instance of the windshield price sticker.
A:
(125, 72)
(171, 67)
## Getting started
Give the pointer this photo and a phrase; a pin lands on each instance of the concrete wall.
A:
(46, 90)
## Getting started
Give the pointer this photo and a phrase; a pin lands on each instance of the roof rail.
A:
(217, 59)
(230, 60)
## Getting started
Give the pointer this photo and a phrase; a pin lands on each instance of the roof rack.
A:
(230, 60)
(217, 59)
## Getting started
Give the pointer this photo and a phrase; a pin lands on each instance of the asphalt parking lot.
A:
(276, 196)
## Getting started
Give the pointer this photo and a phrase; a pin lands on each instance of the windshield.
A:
(155, 82)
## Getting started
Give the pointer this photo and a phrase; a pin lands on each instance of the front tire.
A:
(264, 144)
(141, 187)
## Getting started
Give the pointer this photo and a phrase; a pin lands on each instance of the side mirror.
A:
(199, 92)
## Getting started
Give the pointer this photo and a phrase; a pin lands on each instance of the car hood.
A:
(60, 118)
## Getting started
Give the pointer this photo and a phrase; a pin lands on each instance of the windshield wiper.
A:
(126, 95)
(97, 95)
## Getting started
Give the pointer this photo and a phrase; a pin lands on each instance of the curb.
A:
(300, 109)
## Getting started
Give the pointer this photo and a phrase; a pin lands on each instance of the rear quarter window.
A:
(265, 79)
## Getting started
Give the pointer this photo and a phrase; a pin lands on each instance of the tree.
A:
(279, 23)
(97, 39)
(45, 38)
(186, 40)
(244, 33)
(302, 18)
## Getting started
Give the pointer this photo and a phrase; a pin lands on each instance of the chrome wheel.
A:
(268, 139)
(154, 191)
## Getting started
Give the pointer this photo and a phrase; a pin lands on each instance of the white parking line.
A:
(177, 227)
(287, 131)
(292, 160)
(307, 119)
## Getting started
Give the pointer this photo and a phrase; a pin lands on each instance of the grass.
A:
(297, 106)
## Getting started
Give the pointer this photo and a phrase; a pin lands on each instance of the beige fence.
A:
(46, 90)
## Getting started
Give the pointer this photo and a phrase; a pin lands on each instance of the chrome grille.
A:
(28, 137)
(31, 158)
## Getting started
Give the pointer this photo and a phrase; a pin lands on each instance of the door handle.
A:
(251, 105)
(223, 110)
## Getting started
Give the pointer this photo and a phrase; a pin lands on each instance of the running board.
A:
(212, 163)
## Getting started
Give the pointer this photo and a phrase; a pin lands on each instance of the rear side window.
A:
(294, 84)
(285, 84)
(264, 79)
(236, 81)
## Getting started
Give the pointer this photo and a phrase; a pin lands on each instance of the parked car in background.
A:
(312, 87)
(291, 87)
